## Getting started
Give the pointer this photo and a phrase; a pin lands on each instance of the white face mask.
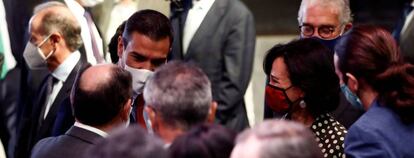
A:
(91, 3)
(139, 77)
(34, 56)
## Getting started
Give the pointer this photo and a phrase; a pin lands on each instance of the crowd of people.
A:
(174, 87)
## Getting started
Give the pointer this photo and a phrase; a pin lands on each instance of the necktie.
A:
(95, 49)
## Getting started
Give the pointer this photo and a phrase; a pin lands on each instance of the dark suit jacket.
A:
(32, 128)
(73, 144)
(405, 40)
(223, 47)
(379, 133)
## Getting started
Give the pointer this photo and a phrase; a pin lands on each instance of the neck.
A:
(168, 134)
(56, 59)
(367, 96)
(303, 116)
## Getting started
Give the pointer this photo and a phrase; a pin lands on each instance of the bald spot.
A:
(60, 11)
(96, 76)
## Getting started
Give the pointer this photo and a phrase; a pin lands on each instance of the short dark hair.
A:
(150, 23)
(204, 141)
(101, 105)
(371, 54)
(113, 44)
(180, 93)
(311, 68)
(132, 142)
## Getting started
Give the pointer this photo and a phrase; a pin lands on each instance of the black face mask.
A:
(329, 43)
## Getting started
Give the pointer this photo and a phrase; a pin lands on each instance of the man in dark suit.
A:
(142, 48)
(404, 32)
(219, 36)
(101, 102)
(54, 41)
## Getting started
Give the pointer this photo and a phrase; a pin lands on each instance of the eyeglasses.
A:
(325, 31)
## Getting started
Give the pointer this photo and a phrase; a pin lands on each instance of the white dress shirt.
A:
(194, 19)
(61, 73)
(409, 18)
(91, 129)
(79, 12)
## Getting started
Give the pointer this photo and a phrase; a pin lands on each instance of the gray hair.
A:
(62, 21)
(180, 93)
(280, 138)
(341, 6)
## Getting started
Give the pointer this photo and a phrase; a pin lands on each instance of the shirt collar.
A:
(75, 7)
(202, 4)
(63, 71)
(92, 129)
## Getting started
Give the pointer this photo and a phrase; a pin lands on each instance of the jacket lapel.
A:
(208, 25)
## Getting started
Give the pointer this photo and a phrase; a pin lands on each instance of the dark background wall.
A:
(280, 16)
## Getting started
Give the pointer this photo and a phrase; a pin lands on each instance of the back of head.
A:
(180, 93)
(372, 55)
(150, 23)
(132, 142)
(207, 141)
(339, 6)
(310, 67)
(277, 138)
(100, 94)
(56, 17)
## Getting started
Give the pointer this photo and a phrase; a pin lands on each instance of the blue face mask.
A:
(351, 97)
(329, 43)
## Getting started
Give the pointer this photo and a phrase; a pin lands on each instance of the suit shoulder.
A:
(239, 8)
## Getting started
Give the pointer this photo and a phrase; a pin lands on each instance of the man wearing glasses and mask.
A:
(327, 21)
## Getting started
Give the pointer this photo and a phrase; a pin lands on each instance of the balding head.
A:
(102, 95)
(55, 17)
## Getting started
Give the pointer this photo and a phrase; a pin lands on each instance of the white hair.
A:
(341, 6)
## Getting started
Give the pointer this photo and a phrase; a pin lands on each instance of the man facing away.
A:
(101, 102)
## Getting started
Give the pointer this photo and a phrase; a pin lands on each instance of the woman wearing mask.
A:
(368, 59)
(304, 87)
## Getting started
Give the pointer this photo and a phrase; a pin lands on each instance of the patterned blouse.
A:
(330, 135)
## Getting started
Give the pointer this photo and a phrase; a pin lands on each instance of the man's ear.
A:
(120, 48)
(212, 112)
(352, 83)
(348, 26)
(151, 115)
(127, 109)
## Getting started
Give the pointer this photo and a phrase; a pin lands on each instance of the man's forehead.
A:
(144, 45)
(320, 15)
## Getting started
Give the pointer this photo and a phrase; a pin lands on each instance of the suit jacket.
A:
(405, 40)
(380, 133)
(32, 128)
(223, 46)
(74, 144)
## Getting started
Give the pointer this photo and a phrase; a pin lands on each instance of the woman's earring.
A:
(302, 104)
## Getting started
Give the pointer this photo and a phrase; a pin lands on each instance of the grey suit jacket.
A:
(74, 144)
(223, 46)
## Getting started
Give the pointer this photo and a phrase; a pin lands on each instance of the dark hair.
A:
(204, 141)
(310, 66)
(181, 94)
(101, 105)
(150, 23)
(372, 55)
(113, 44)
(132, 142)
